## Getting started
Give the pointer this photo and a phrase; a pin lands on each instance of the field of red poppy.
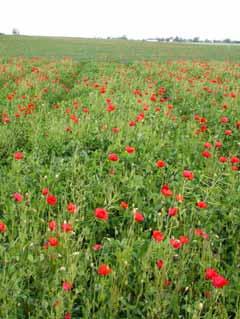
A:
(120, 189)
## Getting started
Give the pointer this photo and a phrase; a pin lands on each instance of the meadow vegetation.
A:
(120, 187)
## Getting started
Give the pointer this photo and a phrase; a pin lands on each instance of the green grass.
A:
(113, 50)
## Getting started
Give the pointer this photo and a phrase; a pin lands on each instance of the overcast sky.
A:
(134, 18)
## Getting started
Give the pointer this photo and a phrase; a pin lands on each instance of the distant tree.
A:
(196, 39)
(227, 40)
(161, 39)
(15, 31)
(123, 37)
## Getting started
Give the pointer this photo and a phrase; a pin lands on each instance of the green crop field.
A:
(114, 50)
(120, 182)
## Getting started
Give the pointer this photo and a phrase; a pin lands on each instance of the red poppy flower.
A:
(210, 273)
(67, 286)
(10, 96)
(176, 243)
(219, 281)
(53, 241)
(67, 228)
(18, 197)
(140, 117)
(68, 111)
(45, 191)
(18, 156)
(138, 217)
(74, 118)
(224, 119)
(228, 132)
(203, 120)
(51, 200)
(102, 90)
(113, 157)
(101, 213)
(184, 239)
(206, 154)
(67, 315)
(179, 198)
(160, 263)
(52, 225)
(71, 208)
(97, 247)
(165, 190)
(196, 117)
(157, 235)
(3, 227)
(172, 211)
(153, 98)
(199, 232)
(115, 130)
(5, 119)
(188, 175)
(218, 144)
(130, 149)
(207, 145)
(132, 123)
(160, 164)
(201, 204)
(111, 108)
(104, 270)
(203, 128)
(223, 159)
(137, 92)
(235, 160)
(124, 205)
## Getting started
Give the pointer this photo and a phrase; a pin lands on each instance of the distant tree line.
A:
(123, 37)
(179, 39)
(193, 40)
(15, 31)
